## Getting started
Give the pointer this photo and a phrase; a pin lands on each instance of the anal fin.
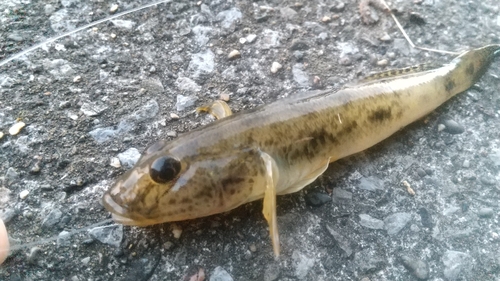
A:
(317, 171)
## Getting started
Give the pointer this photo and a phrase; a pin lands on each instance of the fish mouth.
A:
(119, 214)
(123, 215)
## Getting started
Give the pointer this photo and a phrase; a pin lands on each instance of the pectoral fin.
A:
(269, 209)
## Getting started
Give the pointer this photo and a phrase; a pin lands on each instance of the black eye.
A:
(164, 169)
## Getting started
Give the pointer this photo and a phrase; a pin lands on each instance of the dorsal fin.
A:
(398, 72)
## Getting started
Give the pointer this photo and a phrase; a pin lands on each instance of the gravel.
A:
(87, 97)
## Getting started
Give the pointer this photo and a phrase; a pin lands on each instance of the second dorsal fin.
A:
(398, 72)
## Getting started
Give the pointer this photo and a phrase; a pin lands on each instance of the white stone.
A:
(16, 128)
(23, 194)
(275, 67)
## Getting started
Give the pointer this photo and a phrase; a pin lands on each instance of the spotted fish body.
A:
(281, 147)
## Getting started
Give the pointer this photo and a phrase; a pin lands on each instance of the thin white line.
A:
(32, 48)
(54, 238)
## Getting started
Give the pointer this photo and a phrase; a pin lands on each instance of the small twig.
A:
(50, 40)
(408, 38)
(54, 238)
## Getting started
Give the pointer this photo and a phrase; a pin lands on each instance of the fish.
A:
(281, 147)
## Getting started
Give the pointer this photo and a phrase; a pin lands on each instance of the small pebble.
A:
(52, 219)
(299, 45)
(275, 67)
(115, 162)
(455, 263)
(7, 214)
(112, 35)
(341, 195)
(338, 8)
(11, 175)
(77, 79)
(184, 102)
(417, 18)
(129, 157)
(109, 234)
(176, 231)
(370, 222)
(495, 157)
(174, 116)
(252, 248)
(425, 218)
(441, 127)
(486, 212)
(453, 127)
(59, 47)
(326, 19)
(234, 54)
(421, 172)
(466, 164)
(250, 38)
(194, 273)
(63, 239)
(408, 188)
(65, 104)
(220, 274)
(168, 245)
(429, 171)
(23, 194)
(382, 62)
(317, 82)
(487, 180)
(317, 199)
(385, 38)
(224, 97)
(417, 267)
(172, 134)
(92, 109)
(72, 116)
(243, 40)
(1, 135)
(342, 242)
(113, 8)
(394, 223)
(272, 272)
(16, 128)
(34, 254)
(85, 261)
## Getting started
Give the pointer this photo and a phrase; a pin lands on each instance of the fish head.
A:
(170, 185)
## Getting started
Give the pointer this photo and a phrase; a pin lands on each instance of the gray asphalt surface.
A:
(114, 87)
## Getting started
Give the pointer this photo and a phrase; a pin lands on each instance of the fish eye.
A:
(164, 169)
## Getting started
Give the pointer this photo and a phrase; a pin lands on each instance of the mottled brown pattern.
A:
(222, 163)
(470, 69)
(380, 115)
(450, 85)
